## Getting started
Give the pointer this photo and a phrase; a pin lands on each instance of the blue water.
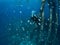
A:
(12, 12)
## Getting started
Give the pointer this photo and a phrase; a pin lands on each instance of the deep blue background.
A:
(10, 13)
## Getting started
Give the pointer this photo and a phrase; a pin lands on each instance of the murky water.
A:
(29, 22)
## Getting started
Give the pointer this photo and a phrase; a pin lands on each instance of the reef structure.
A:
(49, 26)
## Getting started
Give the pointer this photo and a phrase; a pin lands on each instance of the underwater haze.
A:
(23, 23)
